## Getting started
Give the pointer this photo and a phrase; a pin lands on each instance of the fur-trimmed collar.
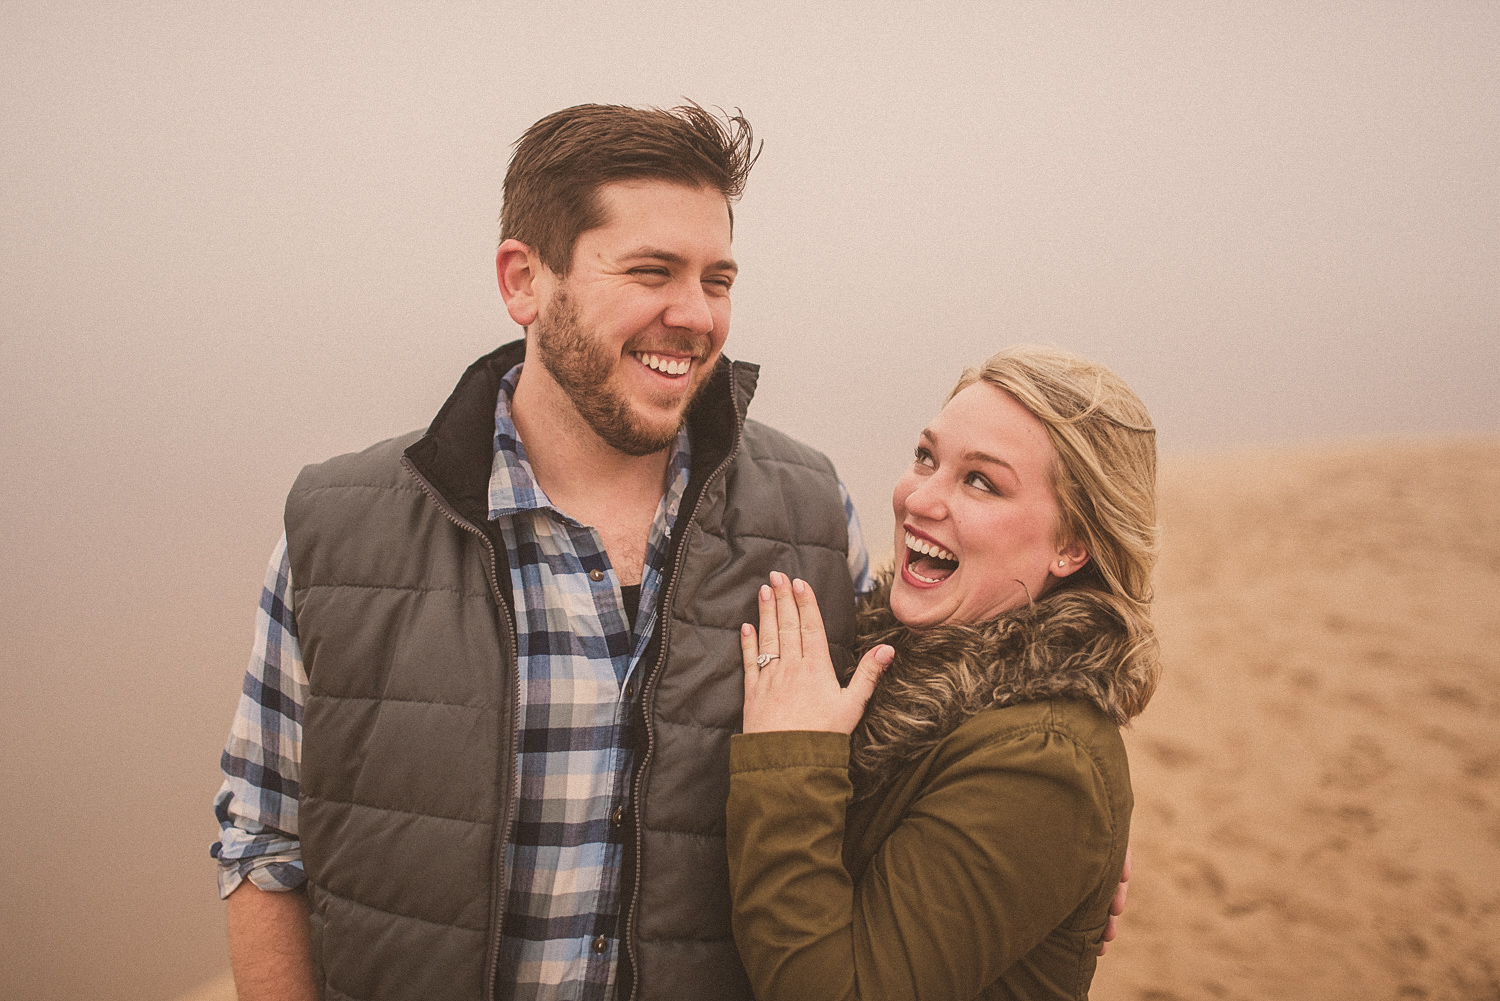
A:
(1071, 644)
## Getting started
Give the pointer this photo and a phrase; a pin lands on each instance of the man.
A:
(482, 746)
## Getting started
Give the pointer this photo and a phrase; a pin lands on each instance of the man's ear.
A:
(519, 271)
(1071, 558)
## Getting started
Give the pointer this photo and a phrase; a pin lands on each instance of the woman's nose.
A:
(927, 500)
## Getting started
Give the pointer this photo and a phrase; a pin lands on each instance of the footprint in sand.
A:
(1362, 764)
(1170, 754)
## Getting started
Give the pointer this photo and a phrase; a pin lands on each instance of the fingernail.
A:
(765, 592)
(778, 578)
(746, 630)
(884, 655)
(798, 585)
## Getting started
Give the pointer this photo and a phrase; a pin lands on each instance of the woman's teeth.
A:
(931, 557)
(667, 366)
(929, 548)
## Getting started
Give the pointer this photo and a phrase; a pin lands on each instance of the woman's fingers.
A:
(748, 653)
(812, 636)
(788, 624)
(862, 684)
(1117, 905)
(769, 637)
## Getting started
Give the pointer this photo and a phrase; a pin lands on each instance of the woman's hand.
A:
(797, 688)
(1117, 906)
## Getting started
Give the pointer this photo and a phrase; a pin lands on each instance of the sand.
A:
(221, 988)
(1318, 779)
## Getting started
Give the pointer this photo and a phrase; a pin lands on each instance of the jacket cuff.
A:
(749, 752)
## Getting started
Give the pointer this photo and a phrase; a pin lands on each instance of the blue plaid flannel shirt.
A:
(578, 654)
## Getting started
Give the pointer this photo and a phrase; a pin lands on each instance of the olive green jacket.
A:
(983, 871)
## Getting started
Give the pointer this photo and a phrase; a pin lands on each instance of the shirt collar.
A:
(513, 487)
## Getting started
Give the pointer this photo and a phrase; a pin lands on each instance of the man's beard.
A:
(582, 367)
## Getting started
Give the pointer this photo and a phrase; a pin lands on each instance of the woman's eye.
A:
(975, 480)
(924, 457)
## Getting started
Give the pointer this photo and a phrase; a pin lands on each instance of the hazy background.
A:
(239, 239)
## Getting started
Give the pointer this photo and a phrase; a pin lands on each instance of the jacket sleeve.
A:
(999, 847)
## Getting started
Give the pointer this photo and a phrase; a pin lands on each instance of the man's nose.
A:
(689, 309)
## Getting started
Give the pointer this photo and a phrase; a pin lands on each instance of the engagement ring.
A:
(766, 658)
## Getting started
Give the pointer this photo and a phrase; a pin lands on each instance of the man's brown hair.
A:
(552, 184)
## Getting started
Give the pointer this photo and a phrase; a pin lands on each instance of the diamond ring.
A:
(766, 658)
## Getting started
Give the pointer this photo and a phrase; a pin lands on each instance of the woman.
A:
(966, 842)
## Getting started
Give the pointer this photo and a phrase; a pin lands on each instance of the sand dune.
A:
(1318, 780)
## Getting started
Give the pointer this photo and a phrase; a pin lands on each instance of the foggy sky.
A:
(238, 239)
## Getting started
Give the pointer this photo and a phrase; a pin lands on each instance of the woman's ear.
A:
(1071, 558)
(519, 271)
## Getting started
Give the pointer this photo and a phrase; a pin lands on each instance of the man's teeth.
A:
(929, 549)
(667, 366)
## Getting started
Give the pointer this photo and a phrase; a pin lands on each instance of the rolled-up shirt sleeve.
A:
(257, 805)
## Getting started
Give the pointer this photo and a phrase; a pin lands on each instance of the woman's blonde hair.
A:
(1105, 478)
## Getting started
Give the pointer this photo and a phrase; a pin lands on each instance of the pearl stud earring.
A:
(1062, 563)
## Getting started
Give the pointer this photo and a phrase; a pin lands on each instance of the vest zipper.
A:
(499, 888)
(649, 690)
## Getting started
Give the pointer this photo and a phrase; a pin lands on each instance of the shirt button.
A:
(618, 816)
(596, 575)
(630, 689)
(600, 945)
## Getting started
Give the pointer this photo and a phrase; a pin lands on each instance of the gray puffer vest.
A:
(409, 756)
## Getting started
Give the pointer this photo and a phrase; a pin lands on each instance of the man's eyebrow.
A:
(657, 254)
(977, 456)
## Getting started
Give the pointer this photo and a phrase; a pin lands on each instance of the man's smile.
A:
(668, 365)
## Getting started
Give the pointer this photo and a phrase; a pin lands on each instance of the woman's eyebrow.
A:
(975, 455)
(992, 460)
